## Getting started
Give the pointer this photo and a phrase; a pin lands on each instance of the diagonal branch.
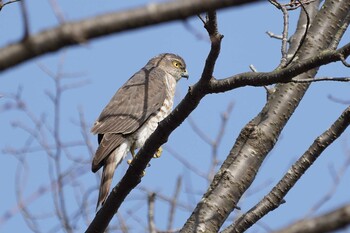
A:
(276, 195)
(259, 136)
(330, 222)
(266, 136)
(136, 169)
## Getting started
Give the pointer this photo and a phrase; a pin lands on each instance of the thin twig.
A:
(214, 158)
(6, 3)
(25, 20)
(345, 63)
(322, 79)
(166, 199)
(272, 35)
(57, 11)
(284, 47)
(336, 181)
(173, 204)
(205, 137)
(338, 100)
(284, 36)
(304, 35)
(151, 224)
(184, 162)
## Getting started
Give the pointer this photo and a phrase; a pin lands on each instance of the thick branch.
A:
(275, 197)
(79, 32)
(330, 222)
(253, 144)
(260, 135)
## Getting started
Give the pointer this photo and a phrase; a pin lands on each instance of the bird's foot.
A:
(158, 153)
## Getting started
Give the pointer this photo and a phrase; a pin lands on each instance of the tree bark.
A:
(259, 136)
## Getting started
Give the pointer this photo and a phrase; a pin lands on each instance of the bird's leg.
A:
(132, 151)
(158, 153)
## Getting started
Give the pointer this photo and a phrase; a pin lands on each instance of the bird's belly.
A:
(148, 128)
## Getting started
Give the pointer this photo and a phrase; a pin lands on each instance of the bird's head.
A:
(172, 64)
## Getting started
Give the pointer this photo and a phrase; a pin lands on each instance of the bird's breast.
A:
(145, 131)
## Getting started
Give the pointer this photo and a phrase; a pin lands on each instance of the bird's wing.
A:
(107, 145)
(142, 95)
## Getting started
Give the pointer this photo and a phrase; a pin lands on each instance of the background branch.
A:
(329, 222)
(80, 32)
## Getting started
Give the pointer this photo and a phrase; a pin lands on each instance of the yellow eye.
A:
(177, 64)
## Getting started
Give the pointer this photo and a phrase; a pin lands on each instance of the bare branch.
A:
(25, 20)
(173, 204)
(284, 37)
(278, 76)
(276, 195)
(6, 3)
(336, 181)
(292, 5)
(205, 137)
(165, 198)
(338, 100)
(216, 143)
(272, 35)
(134, 173)
(57, 11)
(79, 32)
(329, 222)
(259, 136)
(151, 224)
(185, 163)
(322, 79)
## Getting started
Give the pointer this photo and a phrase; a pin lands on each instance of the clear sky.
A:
(106, 63)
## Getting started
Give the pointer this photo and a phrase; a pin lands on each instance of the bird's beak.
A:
(185, 74)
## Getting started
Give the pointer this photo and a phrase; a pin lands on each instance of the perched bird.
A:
(133, 114)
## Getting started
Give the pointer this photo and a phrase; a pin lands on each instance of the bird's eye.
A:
(177, 64)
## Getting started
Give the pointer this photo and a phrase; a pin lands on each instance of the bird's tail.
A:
(113, 160)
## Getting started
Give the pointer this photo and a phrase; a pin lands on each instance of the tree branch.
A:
(136, 169)
(75, 33)
(329, 222)
(254, 142)
(282, 75)
(260, 135)
(276, 195)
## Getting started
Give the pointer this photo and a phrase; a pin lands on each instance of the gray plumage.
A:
(133, 114)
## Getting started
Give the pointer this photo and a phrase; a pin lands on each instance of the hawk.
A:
(133, 114)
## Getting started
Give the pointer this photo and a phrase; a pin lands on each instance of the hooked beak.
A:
(185, 74)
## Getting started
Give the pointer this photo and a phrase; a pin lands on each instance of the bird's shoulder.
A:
(142, 95)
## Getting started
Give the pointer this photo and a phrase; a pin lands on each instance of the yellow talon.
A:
(158, 153)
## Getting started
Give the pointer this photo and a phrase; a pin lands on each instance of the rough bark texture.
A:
(275, 197)
(260, 135)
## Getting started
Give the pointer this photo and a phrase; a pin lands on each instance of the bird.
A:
(133, 114)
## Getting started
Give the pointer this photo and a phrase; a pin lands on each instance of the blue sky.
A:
(106, 63)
